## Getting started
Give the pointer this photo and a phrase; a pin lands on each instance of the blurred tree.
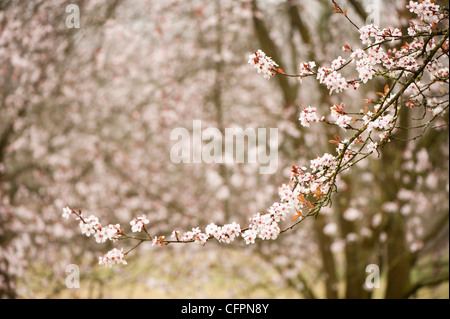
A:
(387, 178)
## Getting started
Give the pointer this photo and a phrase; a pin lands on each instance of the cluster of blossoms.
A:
(262, 225)
(369, 31)
(308, 115)
(114, 256)
(263, 64)
(382, 123)
(394, 60)
(437, 71)
(372, 31)
(338, 63)
(311, 184)
(306, 69)
(91, 226)
(196, 235)
(109, 232)
(314, 181)
(324, 163)
(225, 233)
(339, 116)
(365, 64)
(291, 196)
(265, 225)
(334, 81)
(426, 10)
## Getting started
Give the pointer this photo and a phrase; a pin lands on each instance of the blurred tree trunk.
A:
(328, 262)
(399, 261)
(398, 258)
(217, 100)
(355, 254)
(7, 290)
(289, 91)
(7, 280)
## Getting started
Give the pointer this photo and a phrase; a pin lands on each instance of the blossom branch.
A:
(311, 188)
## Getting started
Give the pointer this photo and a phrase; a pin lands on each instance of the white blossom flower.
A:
(372, 146)
(138, 223)
(113, 256)
(66, 212)
(263, 64)
(308, 115)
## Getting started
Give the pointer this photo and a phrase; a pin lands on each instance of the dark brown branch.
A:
(359, 9)
(427, 282)
(270, 48)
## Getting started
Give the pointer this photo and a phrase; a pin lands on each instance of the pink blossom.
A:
(113, 256)
(66, 212)
(138, 223)
(308, 115)
(263, 64)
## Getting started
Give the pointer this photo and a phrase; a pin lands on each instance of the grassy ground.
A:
(200, 273)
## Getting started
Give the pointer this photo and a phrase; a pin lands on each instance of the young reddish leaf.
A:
(333, 142)
(301, 198)
(299, 214)
(336, 140)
